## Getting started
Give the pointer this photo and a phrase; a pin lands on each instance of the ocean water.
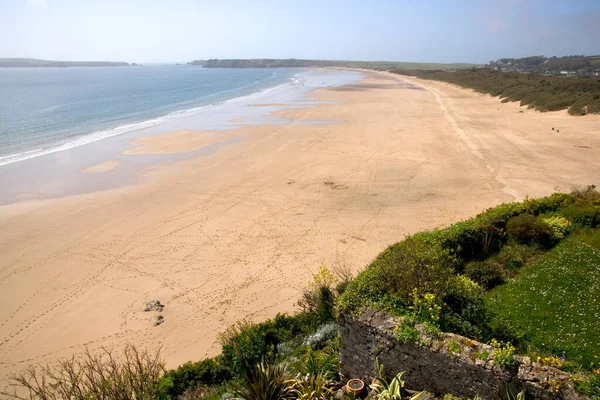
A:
(45, 110)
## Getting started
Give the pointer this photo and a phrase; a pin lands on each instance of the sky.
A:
(145, 31)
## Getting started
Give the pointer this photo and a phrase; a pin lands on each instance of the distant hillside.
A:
(197, 62)
(34, 62)
(549, 65)
(295, 63)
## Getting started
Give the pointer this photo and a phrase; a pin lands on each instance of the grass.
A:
(554, 301)
(579, 94)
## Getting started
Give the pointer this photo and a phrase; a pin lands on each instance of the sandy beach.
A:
(237, 233)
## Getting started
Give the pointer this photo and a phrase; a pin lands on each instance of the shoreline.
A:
(95, 135)
(57, 174)
(237, 233)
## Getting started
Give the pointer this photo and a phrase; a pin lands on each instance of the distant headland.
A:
(296, 63)
(35, 63)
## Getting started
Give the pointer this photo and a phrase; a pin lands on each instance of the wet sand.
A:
(102, 167)
(183, 141)
(238, 232)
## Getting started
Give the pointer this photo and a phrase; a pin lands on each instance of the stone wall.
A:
(430, 365)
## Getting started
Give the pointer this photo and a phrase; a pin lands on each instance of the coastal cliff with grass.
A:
(506, 301)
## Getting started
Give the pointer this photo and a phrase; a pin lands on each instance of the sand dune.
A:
(239, 232)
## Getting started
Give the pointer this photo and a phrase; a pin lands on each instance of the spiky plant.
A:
(394, 390)
(265, 382)
(314, 387)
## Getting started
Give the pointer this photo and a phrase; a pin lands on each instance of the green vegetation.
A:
(294, 63)
(579, 94)
(504, 354)
(553, 303)
(524, 274)
(131, 375)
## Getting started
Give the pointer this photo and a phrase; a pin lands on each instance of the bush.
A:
(190, 376)
(488, 273)
(325, 332)
(244, 345)
(100, 375)
(583, 215)
(526, 228)
(559, 225)
(465, 312)
(514, 255)
(318, 301)
(389, 281)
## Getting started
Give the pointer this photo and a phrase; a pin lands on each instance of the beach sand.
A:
(238, 233)
(102, 167)
(182, 141)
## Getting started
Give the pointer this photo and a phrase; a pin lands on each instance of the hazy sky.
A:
(393, 30)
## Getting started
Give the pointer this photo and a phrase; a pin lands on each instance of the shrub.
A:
(526, 228)
(559, 225)
(466, 312)
(189, 376)
(488, 273)
(325, 332)
(514, 255)
(425, 308)
(584, 215)
(100, 375)
(244, 345)
(318, 301)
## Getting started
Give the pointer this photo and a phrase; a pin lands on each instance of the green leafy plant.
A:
(322, 362)
(318, 300)
(559, 225)
(431, 330)
(188, 376)
(590, 385)
(504, 354)
(527, 228)
(483, 355)
(488, 273)
(425, 308)
(405, 331)
(453, 346)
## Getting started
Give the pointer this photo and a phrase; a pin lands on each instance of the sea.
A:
(57, 122)
(44, 110)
